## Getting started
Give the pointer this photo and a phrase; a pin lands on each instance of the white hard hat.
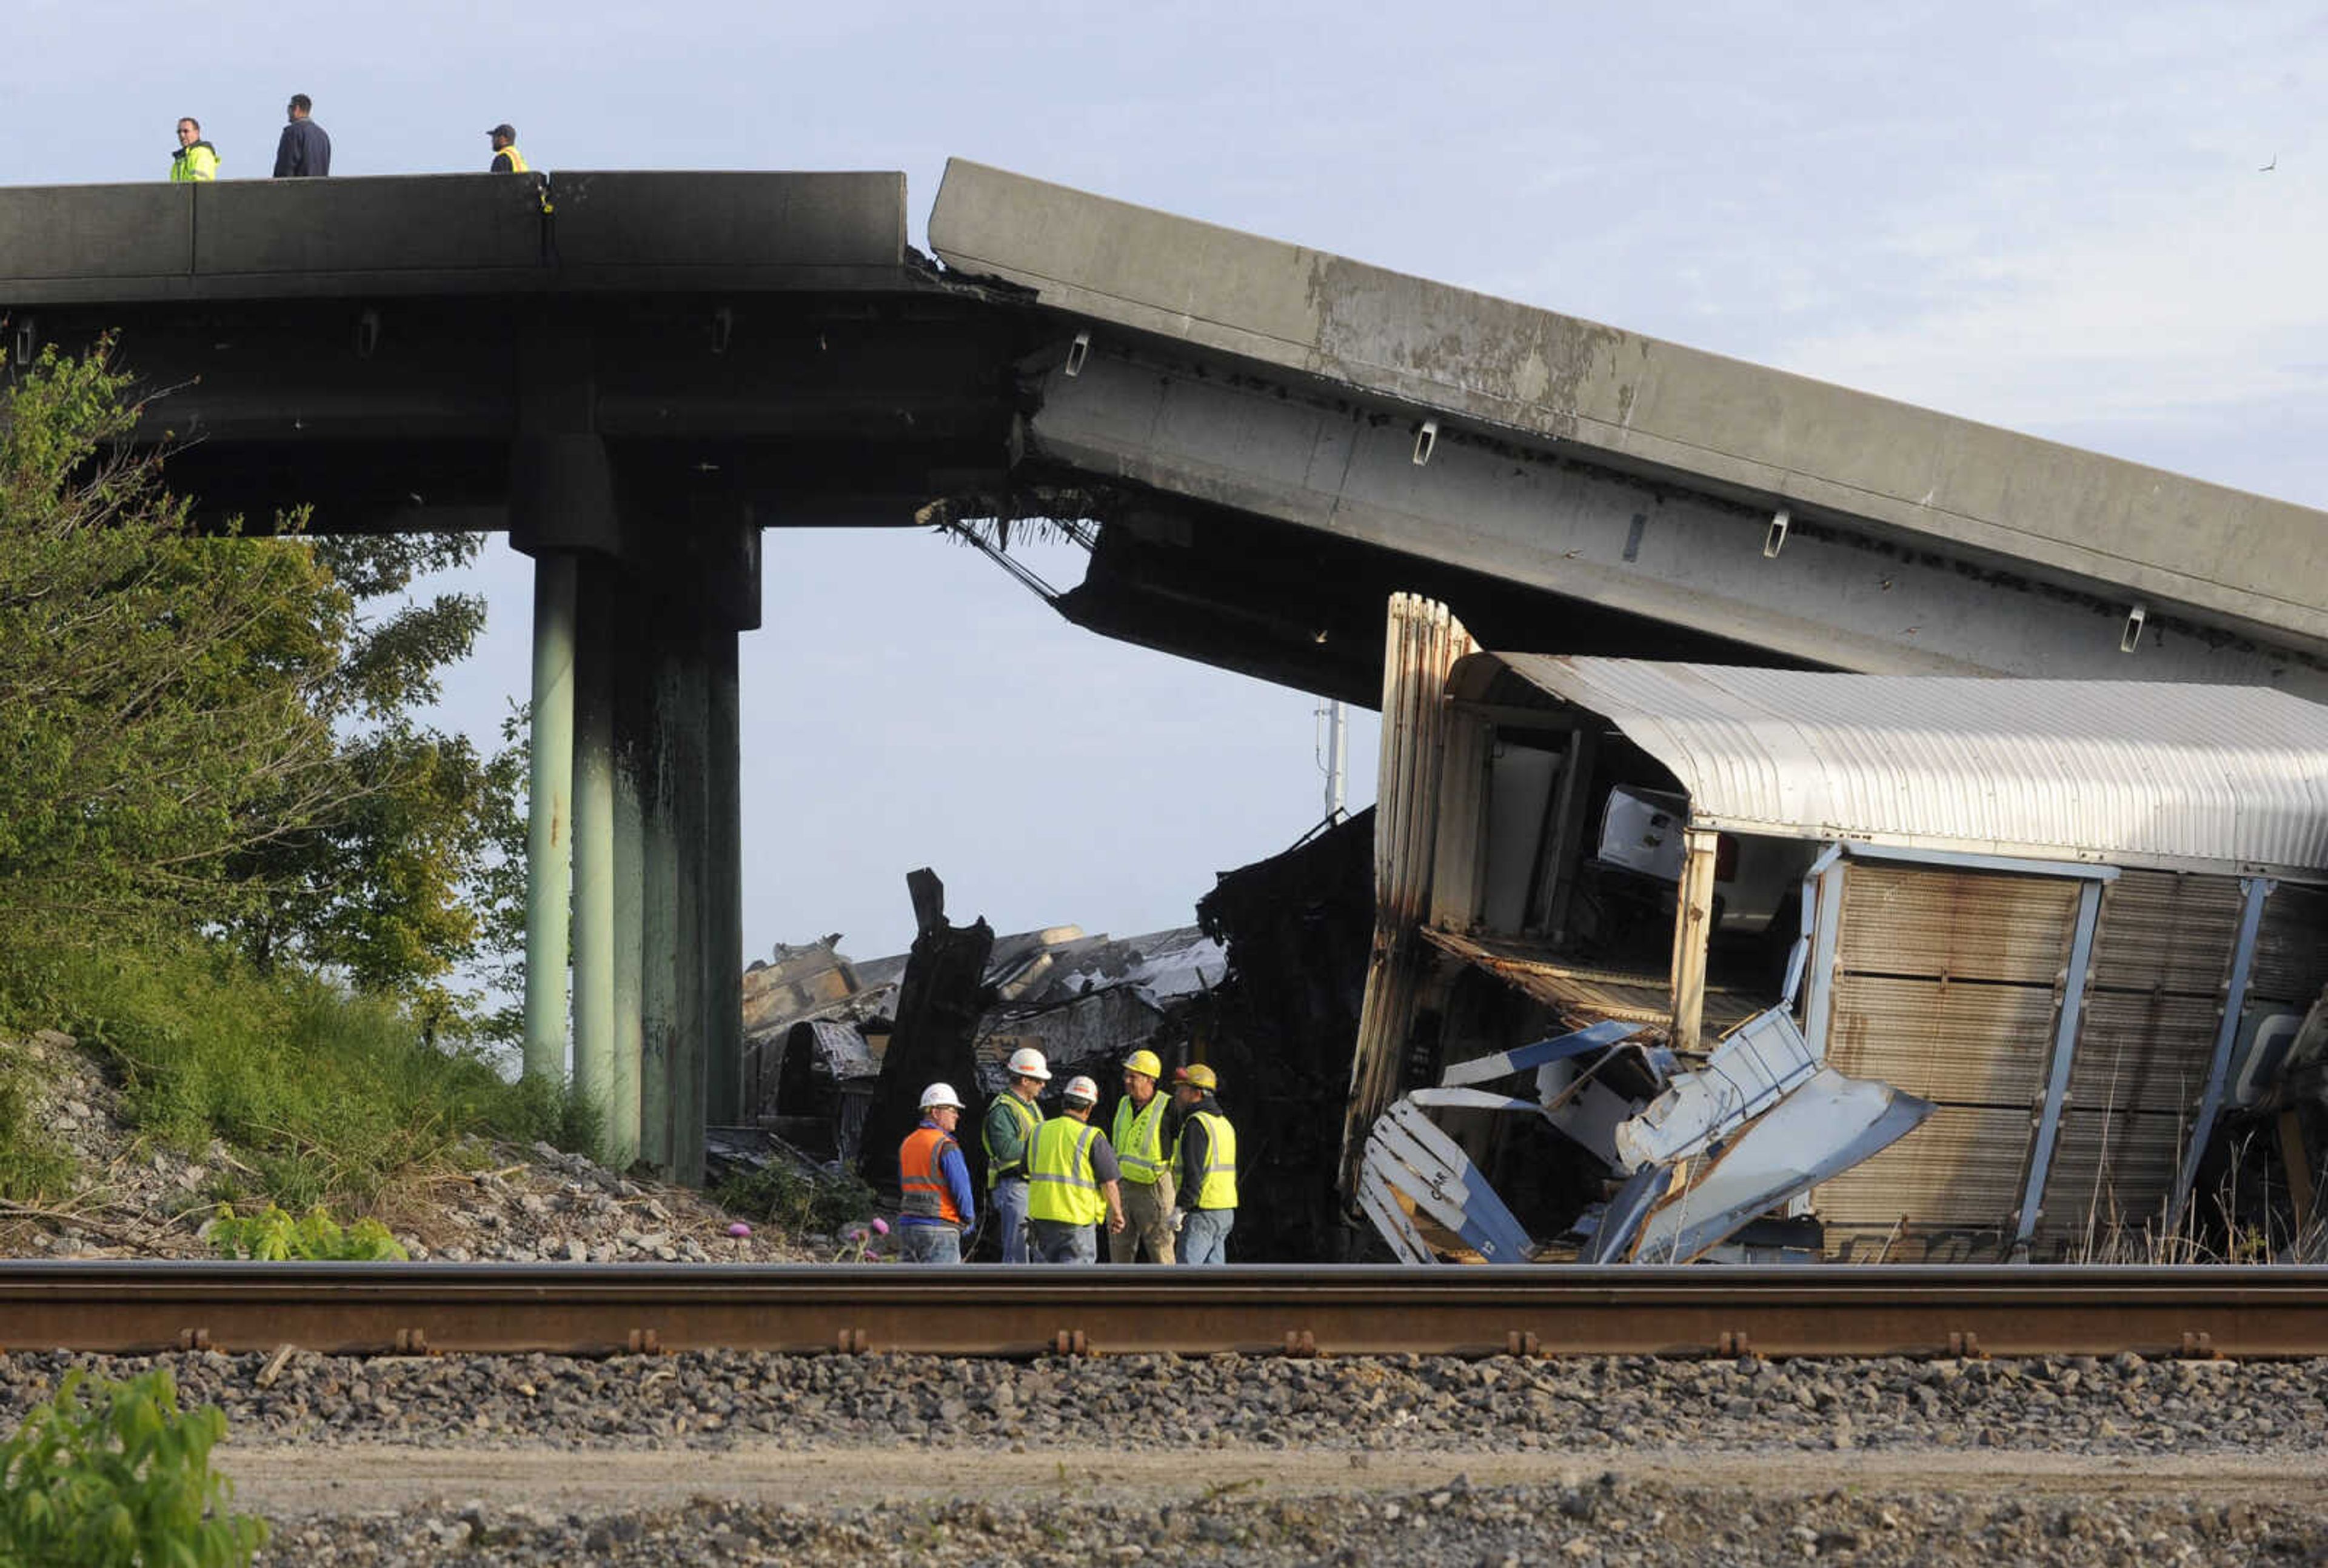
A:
(939, 1095)
(1027, 1062)
(1082, 1089)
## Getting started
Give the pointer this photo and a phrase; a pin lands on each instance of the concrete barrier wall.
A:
(449, 233)
(98, 232)
(393, 223)
(631, 219)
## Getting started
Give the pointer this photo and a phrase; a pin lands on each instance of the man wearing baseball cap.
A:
(1072, 1181)
(507, 159)
(1007, 1134)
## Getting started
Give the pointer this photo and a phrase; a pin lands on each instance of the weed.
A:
(273, 1236)
(112, 1474)
(32, 1167)
(793, 1200)
(328, 1096)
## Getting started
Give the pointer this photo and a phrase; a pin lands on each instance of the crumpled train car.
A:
(1679, 961)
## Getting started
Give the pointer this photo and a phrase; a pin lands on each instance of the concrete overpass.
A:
(638, 375)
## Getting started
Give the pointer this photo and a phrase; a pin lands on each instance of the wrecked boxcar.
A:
(1676, 962)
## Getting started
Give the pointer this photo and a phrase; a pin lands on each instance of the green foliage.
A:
(214, 732)
(331, 1097)
(114, 1474)
(272, 1235)
(158, 688)
(32, 1167)
(793, 1200)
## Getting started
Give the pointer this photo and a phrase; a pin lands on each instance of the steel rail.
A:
(367, 1308)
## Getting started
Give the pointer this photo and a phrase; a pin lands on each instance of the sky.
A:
(2101, 224)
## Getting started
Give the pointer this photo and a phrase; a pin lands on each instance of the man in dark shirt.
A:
(305, 151)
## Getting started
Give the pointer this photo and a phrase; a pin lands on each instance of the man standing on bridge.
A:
(195, 159)
(507, 159)
(305, 151)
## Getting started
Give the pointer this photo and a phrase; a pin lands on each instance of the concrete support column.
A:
(593, 847)
(659, 988)
(685, 1065)
(630, 709)
(550, 815)
(722, 883)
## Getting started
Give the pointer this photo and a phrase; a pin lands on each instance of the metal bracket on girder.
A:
(1078, 352)
(1776, 539)
(1426, 441)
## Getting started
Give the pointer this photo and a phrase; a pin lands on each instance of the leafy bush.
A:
(273, 1236)
(795, 1200)
(113, 1474)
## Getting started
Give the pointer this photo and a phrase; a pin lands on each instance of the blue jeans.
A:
(1057, 1242)
(1009, 1200)
(1205, 1239)
(929, 1243)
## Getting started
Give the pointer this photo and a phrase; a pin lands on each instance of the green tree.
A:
(160, 691)
(401, 884)
(217, 733)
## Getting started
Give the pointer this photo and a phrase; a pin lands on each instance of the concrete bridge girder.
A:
(1836, 593)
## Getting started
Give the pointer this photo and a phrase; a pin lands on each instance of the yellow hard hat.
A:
(1198, 1073)
(1144, 1062)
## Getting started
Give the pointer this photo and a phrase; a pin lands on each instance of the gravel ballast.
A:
(2126, 1405)
(1585, 1421)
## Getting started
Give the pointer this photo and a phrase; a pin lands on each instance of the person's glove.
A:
(1179, 1219)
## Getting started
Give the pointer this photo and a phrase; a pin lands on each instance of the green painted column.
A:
(690, 802)
(723, 884)
(593, 843)
(630, 755)
(659, 1001)
(550, 815)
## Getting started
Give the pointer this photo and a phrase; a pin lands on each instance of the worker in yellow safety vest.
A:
(1139, 1140)
(1204, 1157)
(195, 159)
(507, 159)
(1072, 1181)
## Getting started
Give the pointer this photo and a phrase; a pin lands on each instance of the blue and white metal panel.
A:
(2057, 1085)
(2255, 891)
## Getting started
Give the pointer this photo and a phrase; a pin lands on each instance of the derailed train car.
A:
(1677, 961)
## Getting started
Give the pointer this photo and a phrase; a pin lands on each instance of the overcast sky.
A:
(2053, 217)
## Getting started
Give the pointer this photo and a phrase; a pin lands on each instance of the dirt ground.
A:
(289, 1482)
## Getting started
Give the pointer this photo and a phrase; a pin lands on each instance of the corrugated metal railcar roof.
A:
(2211, 778)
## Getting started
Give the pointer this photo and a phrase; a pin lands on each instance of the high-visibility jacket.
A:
(1216, 1181)
(1027, 1119)
(1138, 1139)
(1061, 1185)
(926, 1192)
(516, 162)
(194, 160)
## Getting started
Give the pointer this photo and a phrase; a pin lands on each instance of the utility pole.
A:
(1335, 758)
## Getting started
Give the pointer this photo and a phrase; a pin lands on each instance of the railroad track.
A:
(376, 1308)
